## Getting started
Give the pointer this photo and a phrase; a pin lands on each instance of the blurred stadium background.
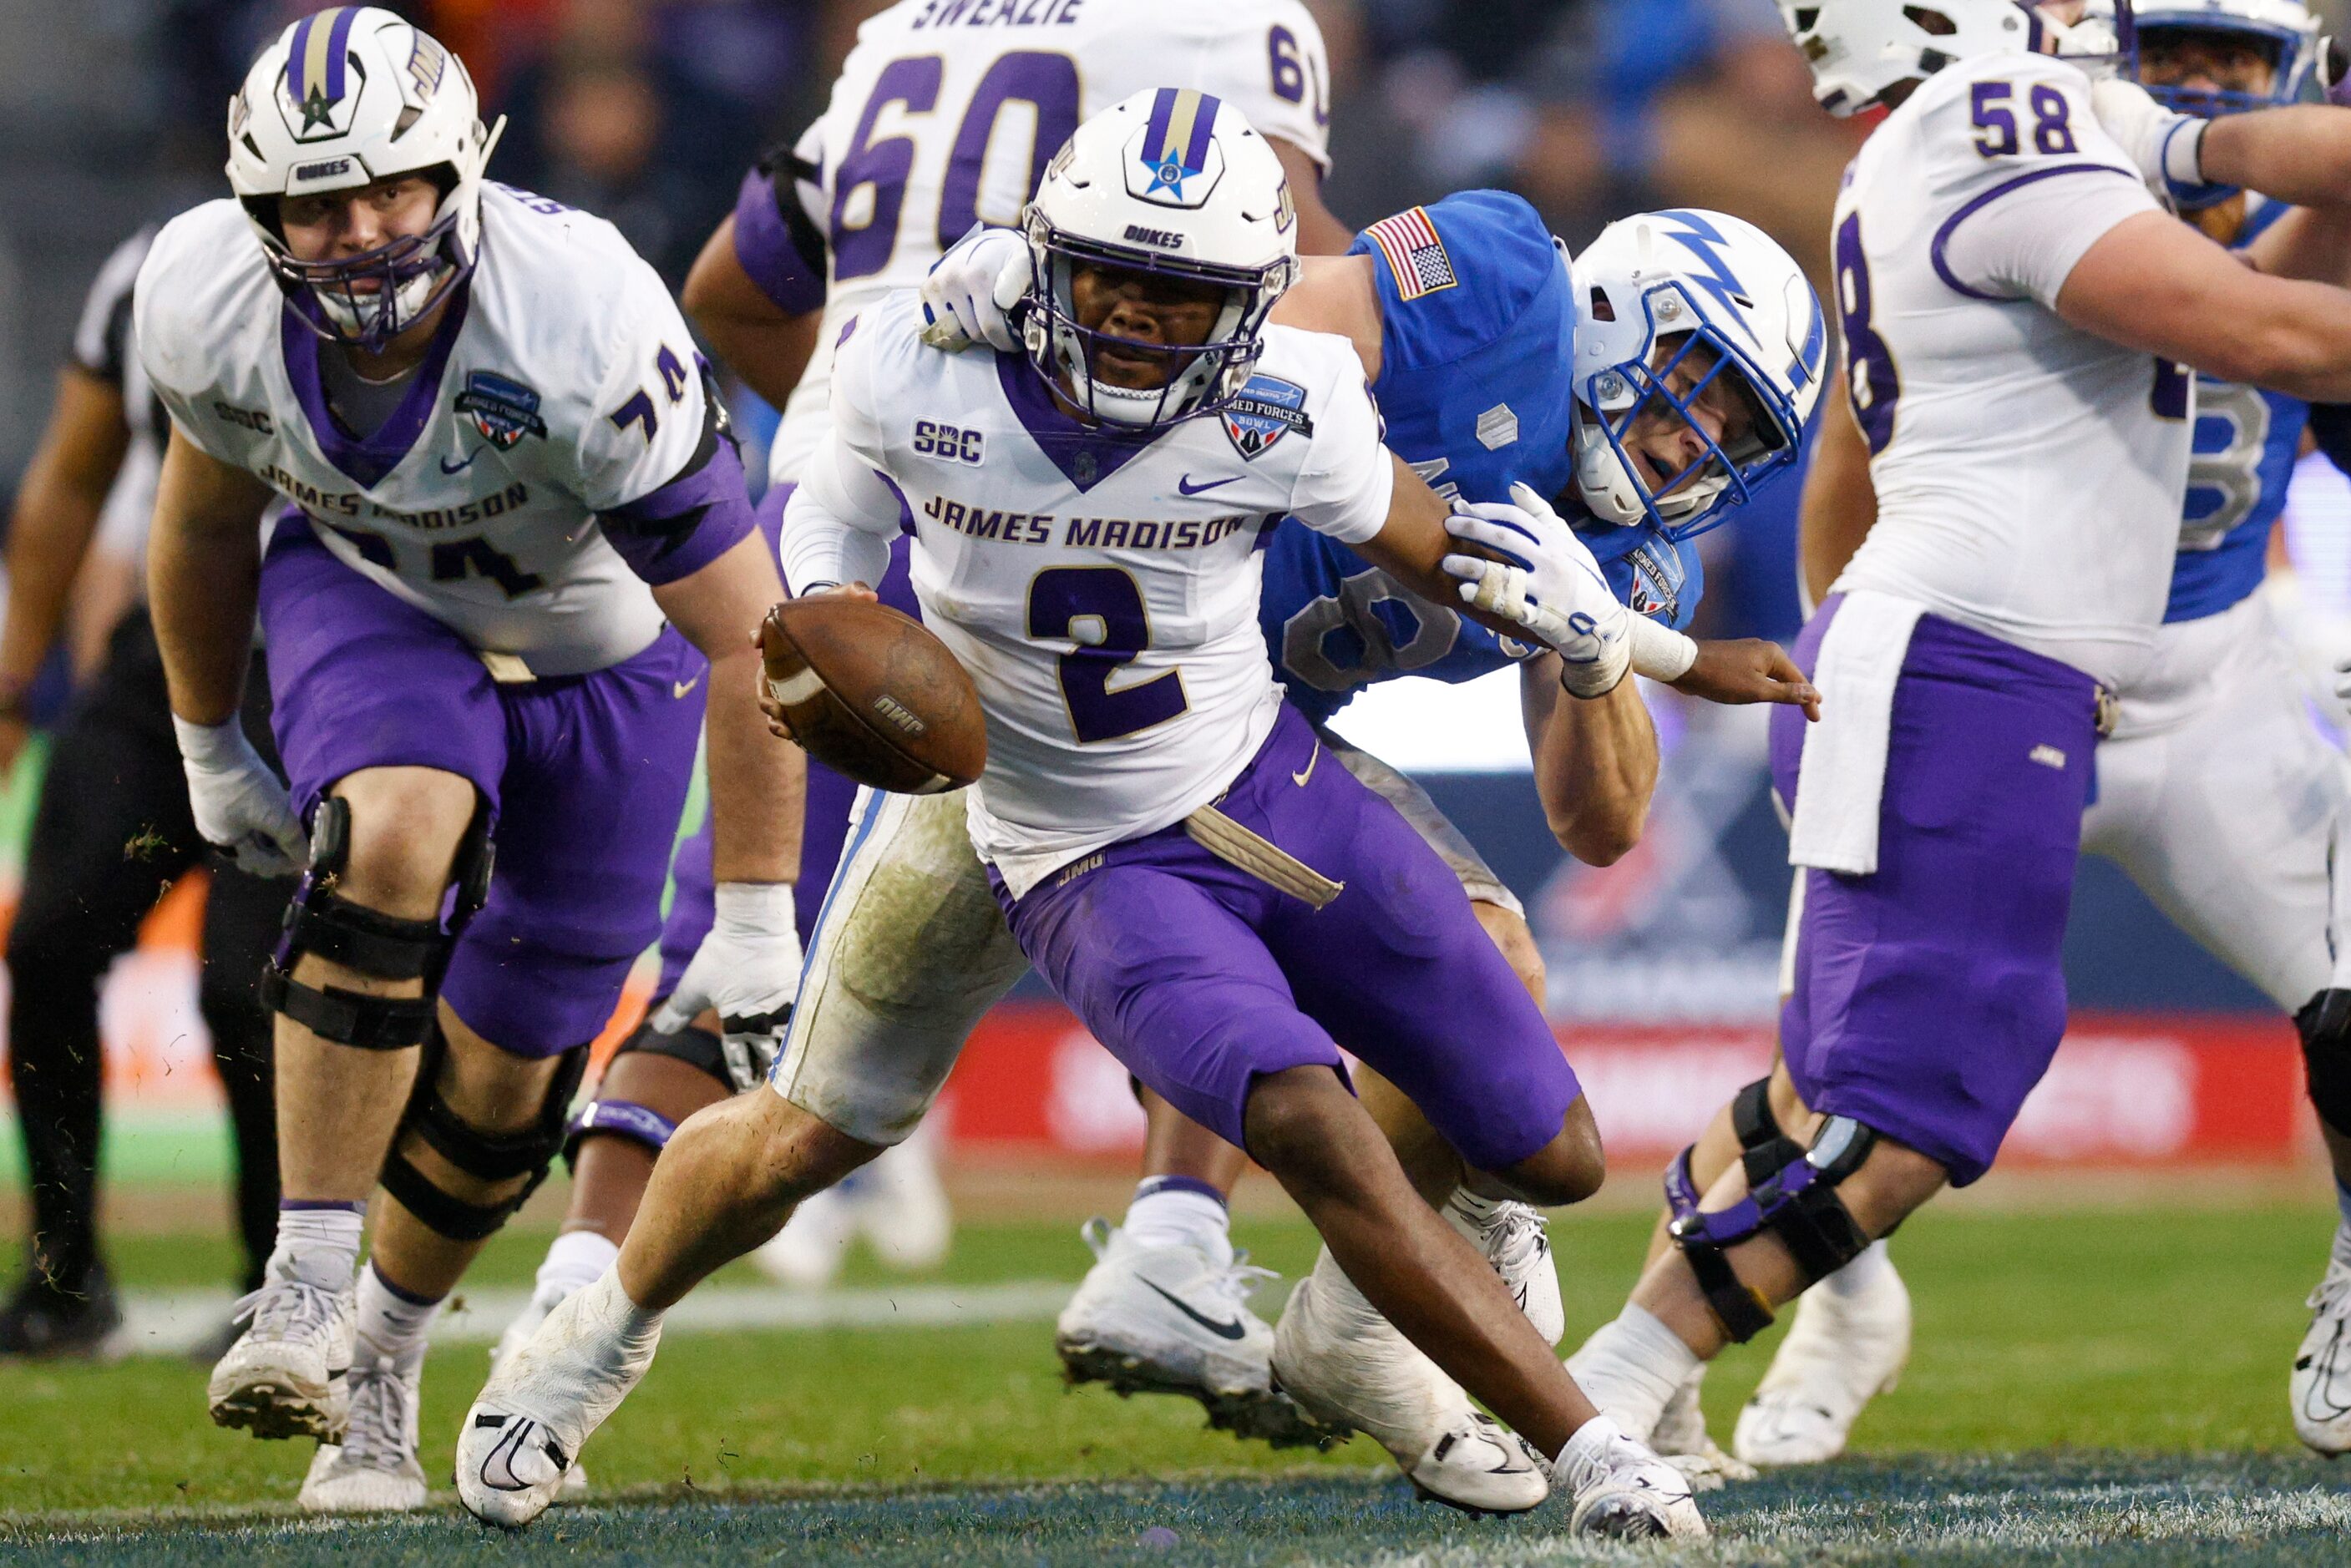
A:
(2177, 1086)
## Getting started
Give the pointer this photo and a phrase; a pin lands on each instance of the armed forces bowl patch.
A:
(1657, 579)
(504, 411)
(1267, 409)
(1416, 255)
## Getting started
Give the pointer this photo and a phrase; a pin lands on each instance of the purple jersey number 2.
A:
(1108, 597)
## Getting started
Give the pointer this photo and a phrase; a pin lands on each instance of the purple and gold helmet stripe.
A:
(315, 62)
(1183, 120)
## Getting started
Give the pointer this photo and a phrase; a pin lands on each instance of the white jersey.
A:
(103, 348)
(562, 389)
(2029, 475)
(946, 113)
(1100, 589)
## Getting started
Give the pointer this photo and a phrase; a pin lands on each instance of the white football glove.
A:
(240, 806)
(969, 293)
(1550, 585)
(747, 970)
(2168, 146)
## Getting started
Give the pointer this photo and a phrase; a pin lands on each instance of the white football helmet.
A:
(1175, 183)
(1694, 283)
(1859, 49)
(341, 98)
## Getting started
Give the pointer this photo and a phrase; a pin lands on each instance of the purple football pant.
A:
(1929, 997)
(1199, 977)
(831, 798)
(585, 778)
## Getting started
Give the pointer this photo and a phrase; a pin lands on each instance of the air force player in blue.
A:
(1466, 314)
(2215, 792)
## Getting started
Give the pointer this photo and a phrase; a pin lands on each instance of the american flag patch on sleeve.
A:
(1416, 257)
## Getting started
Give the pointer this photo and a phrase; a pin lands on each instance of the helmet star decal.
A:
(1176, 139)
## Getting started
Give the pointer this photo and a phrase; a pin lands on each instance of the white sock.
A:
(608, 1303)
(1859, 1277)
(318, 1244)
(392, 1323)
(1630, 1368)
(574, 1261)
(1163, 1216)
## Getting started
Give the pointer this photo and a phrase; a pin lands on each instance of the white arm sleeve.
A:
(2019, 221)
(837, 525)
(1347, 482)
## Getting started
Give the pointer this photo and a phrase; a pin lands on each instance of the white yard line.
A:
(172, 1322)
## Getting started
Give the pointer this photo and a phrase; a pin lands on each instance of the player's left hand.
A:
(969, 293)
(1547, 583)
(1747, 670)
(747, 970)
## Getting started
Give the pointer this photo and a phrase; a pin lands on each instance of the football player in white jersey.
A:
(943, 117)
(2216, 792)
(515, 555)
(2018, 311)
(1170, 852)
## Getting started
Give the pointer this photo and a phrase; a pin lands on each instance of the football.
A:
(873, 695)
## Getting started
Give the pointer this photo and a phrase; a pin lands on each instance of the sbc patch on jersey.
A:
(1267, 409)
(1416, 255)
(504, 411)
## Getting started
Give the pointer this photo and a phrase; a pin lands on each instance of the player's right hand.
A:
(1546, 582)
(778, 725)
(969, 293)
(1747, 670)
(240, 806)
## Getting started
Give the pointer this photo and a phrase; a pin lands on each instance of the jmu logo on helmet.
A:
(1176, 142)
(323, 77)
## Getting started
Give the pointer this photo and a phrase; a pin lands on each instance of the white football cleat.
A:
(1175, 1320)
(1621, 1491)
(1680, 1438)
(1845, 1348)
(288, 1374)
(808, 1253)
(1348, 1368)
(518, 1334)
(544, 1402)
(373, 1469)
(1516, 1239)
(901, 1208)
(2321, 1384)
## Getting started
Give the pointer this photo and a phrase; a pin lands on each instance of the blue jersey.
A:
(2246, 443)
(1477, 338)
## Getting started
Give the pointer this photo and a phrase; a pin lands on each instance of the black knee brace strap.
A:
(485, 1155)
(2324, 1024)
(322, 921)
(1763, 1148)
(696, 1047)
(1798, 1203)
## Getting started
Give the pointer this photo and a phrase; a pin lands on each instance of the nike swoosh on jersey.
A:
(448, 467)
(680, 688)
(1300, 780)
(1186, 485)
(1221, 1330)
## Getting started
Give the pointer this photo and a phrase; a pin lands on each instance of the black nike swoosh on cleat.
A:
(503, 1457)
(1221, 1330)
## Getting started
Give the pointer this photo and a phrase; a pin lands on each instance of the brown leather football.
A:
(873, 695)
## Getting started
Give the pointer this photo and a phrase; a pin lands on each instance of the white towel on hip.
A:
(1842, 784)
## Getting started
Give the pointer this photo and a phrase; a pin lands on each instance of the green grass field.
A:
(2103, 1386)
